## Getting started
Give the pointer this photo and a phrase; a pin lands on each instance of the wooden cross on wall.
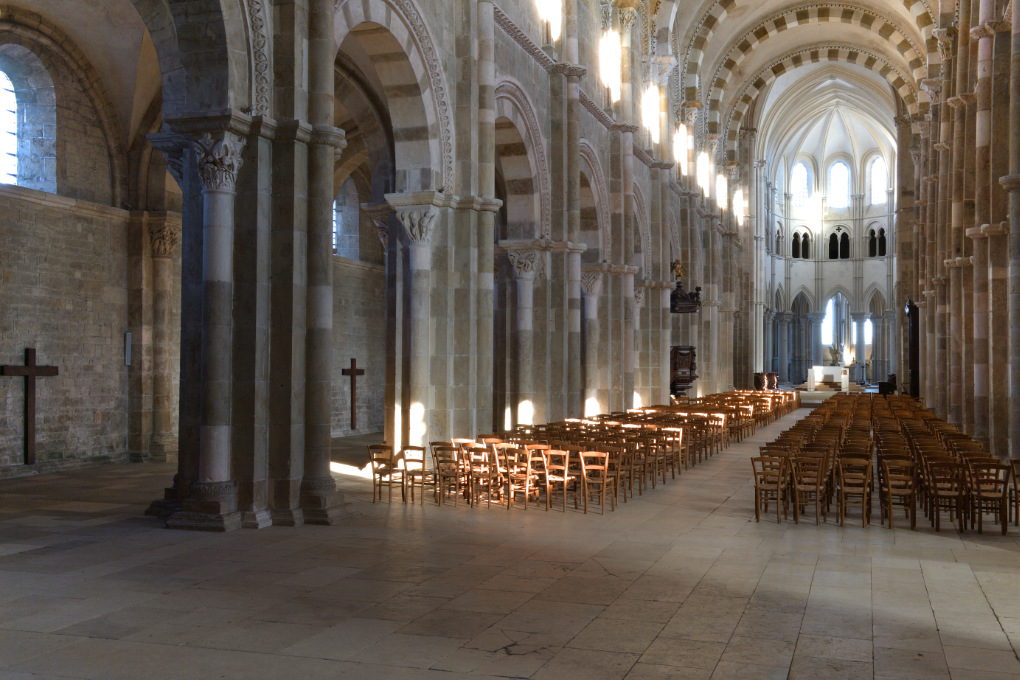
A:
(354, 372)
(30, 371)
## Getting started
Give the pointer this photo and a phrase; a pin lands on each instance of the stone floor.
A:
(679, 583)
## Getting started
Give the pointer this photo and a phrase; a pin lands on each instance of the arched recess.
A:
(840, 53)
(591, 169)
(363, 115)
(780, 299)
(522, 155)
(807, 296)
(393, 32)
(691, 48)
(844, 291)
(876, 298)
(59, 55)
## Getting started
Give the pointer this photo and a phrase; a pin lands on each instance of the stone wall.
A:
(359, 332)
(64, 292)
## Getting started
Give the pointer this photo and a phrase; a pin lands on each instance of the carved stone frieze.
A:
(219, 159)
(262, 66)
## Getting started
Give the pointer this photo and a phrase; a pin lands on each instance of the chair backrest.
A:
(444, 457)
(990, 478)
(769, 471)
(414, 457)
(381, 456)
(594, 464)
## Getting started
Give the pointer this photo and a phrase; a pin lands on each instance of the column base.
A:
(323, 503)
(256, 519)
(163, 449)
(204, 521)
(211, 506)
(287, 517)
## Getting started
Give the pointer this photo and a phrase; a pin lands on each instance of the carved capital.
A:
(999, 26)
(524, 263)
(329, 136)
(639, 296)
(164, 234)
(418, 222)
(219, 159)
(569, 70)
(945, 36)
(902, 121)
(591, 283)
(979, 32)
(933, 86)
(956, 102)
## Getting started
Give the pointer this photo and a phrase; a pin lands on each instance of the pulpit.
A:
(682, 369)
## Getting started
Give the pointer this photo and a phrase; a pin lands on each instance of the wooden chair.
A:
(448, 472)
(557, 474)
(482, 474)
(770, 477)
(945, 491)
(520, 477)
(809, 485)
(898, 486)
(595, 477)
(1014, 492)
(385, 471)
(416, 473)
(989, 486)
(854, 487)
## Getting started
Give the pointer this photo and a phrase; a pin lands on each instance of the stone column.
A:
(523, 263)
(1011, 183)
(859, 355)
(892, 338)
(816, 337)
(591, 288)
(481, 414)
(418, 218)
(784, 346)
(380, 214)
(980, 310)
(212, 504)
(769, 330)
(999, 405)
(164, 233)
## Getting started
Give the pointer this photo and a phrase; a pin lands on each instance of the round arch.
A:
(592, 169)
(395, 28)
(513, 105)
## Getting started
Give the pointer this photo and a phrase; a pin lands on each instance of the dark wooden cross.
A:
(29, 372)
(354, 372)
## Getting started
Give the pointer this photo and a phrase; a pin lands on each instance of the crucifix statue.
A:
(30, 371)
(354, 372)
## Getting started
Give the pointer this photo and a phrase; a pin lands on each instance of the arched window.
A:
(834, 247)
(844, 247)
(346, 215)
(805, 247)
(839, 185)
(8, 131)
(828, 322)
(872, 243)
(881, 242)
(879, 175)
(800, 186)
(796, 246)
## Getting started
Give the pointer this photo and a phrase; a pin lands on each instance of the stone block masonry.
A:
(359, 331)
(64, 292)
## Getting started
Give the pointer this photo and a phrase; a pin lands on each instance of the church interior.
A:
(279, 228)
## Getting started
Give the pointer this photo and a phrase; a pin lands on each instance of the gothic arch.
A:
(840, 288)
(47, 42)
(808, 296)
(875, 297)
(512, 103)
(780, 299)
(842, 53)
(591, 167)
(402, 20)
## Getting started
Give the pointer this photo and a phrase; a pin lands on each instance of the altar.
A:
(830, 374)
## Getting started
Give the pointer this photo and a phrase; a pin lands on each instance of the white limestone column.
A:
(859, 320)
(784, 346)
(418, 220)
(523, 263)
(591, 288)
